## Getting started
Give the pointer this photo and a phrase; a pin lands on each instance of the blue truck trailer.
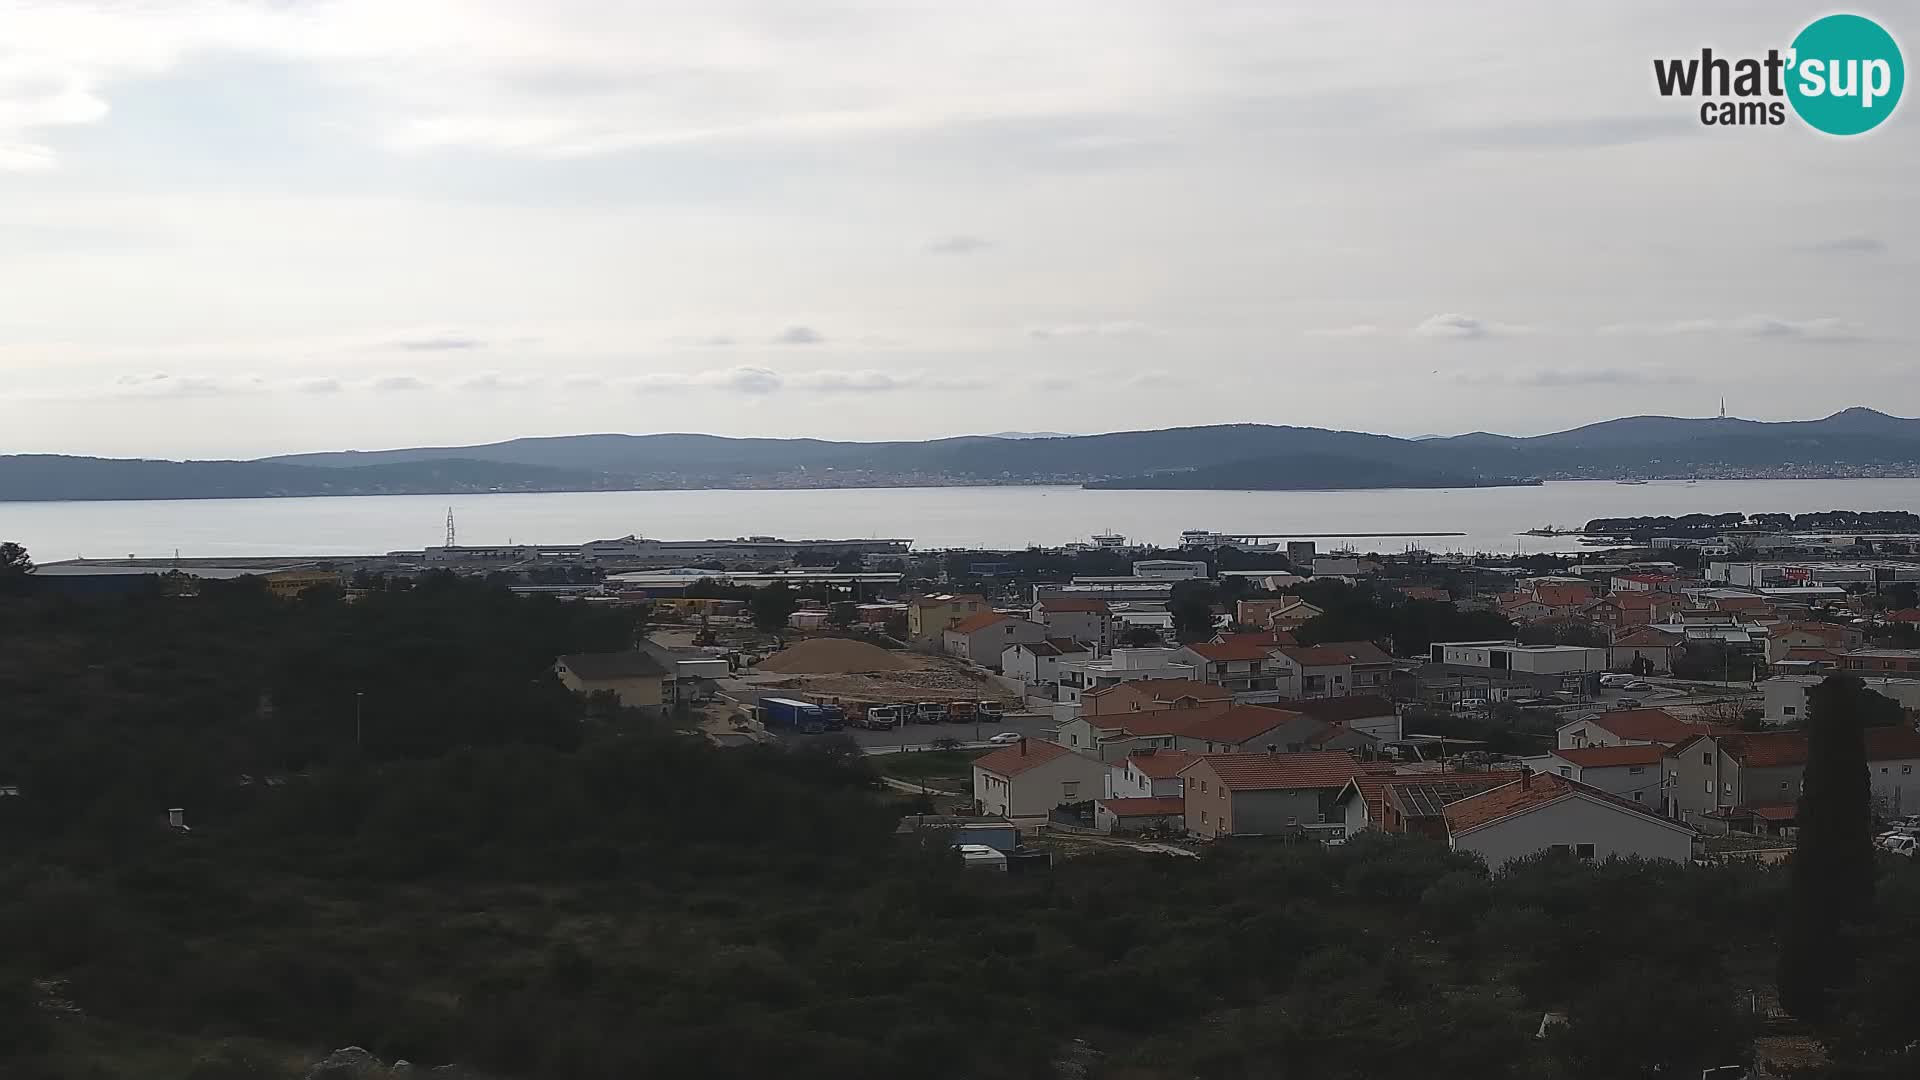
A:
(805, 717)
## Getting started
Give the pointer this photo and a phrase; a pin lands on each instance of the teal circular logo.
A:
(1846, 74)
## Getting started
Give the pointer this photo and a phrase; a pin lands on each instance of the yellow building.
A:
(634, 677)
(929, 616)
(291, 583)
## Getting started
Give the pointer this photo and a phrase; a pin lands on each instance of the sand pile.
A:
(832, 656)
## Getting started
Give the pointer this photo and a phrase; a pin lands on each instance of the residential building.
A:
(1147, 773)
(1631, 771)
(1160, 814)
(1149, 695)
(288, 584)
(1881, 662)
(1639, 608)
(1085, 620)
(1170, 569)
(1253, 729)
(1368, 713)
(1737, 780)
(1513, 656)
(1643, 582)
(1546, 812)
(1426, 592)
(1249, 670)
(929, 616)
(1029, 779)
(1629, 727)
(1259, 794)
(1080, 677)
(1409, 803)
(635, 678)
(1037, 664)
(1785, 696)
(1338, 668)
(1644, 651)
(1112, 738)
(983, 639)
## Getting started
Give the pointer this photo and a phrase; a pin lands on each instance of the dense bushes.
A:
(629, 902)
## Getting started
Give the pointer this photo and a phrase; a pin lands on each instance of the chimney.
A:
(1526, 777)
(176, 818)
(1273, 750)
(1023, 746)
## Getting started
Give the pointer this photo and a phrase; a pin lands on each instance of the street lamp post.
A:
(359, 699)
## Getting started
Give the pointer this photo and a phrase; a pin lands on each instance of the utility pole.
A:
(358, 701)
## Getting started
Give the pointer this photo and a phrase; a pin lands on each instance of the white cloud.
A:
(493, 381)
(1153, 379)
(799, 335)
(1550, 378)
(1451, 326)
(165, 384)
(849, 381)
(1358, 330)
(1122, 328)
(1816, 331)
(958, 245)
(752, 381)
(319, 384)
(445, 343)
(395, 384)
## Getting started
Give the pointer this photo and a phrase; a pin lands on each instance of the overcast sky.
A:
(247, 228)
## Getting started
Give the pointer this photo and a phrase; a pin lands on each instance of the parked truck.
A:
(805, 717)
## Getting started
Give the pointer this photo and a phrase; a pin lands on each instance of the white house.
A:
(1786, 695)
(1145, 774)
(1038, 663)
(1631, 771)
(1546, 812)
(1030, 778)
(982, 639)
(1089, 621)
(1120, 666)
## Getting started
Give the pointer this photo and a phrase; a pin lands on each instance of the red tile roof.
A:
(1360, 652)
(1904, 615)
(1152, 721)
(1646, 637)
(1266, 639)
(1240, 723)
(1530, 792)
(1374, 787)
(1018, 758)
(1061, 604)
(1157, 806)
(974, 623)
(1603, 757)
(1644, 599)
(1280, 772)
(1341, 710)
(1219, 652)
(1160, 764)
(1654, 725)
(1562, 595)
(1166, 690)
(1319, 655)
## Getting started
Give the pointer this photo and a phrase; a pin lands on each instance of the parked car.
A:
(1901, 845)
(1637, 687)
(1007, 737)
(1470, 705)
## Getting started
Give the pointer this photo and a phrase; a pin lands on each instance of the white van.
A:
(1618, 680)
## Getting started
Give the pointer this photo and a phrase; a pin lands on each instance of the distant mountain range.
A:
(1856, 442)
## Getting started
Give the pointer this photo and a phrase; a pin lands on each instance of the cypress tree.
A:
(1832, 884)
